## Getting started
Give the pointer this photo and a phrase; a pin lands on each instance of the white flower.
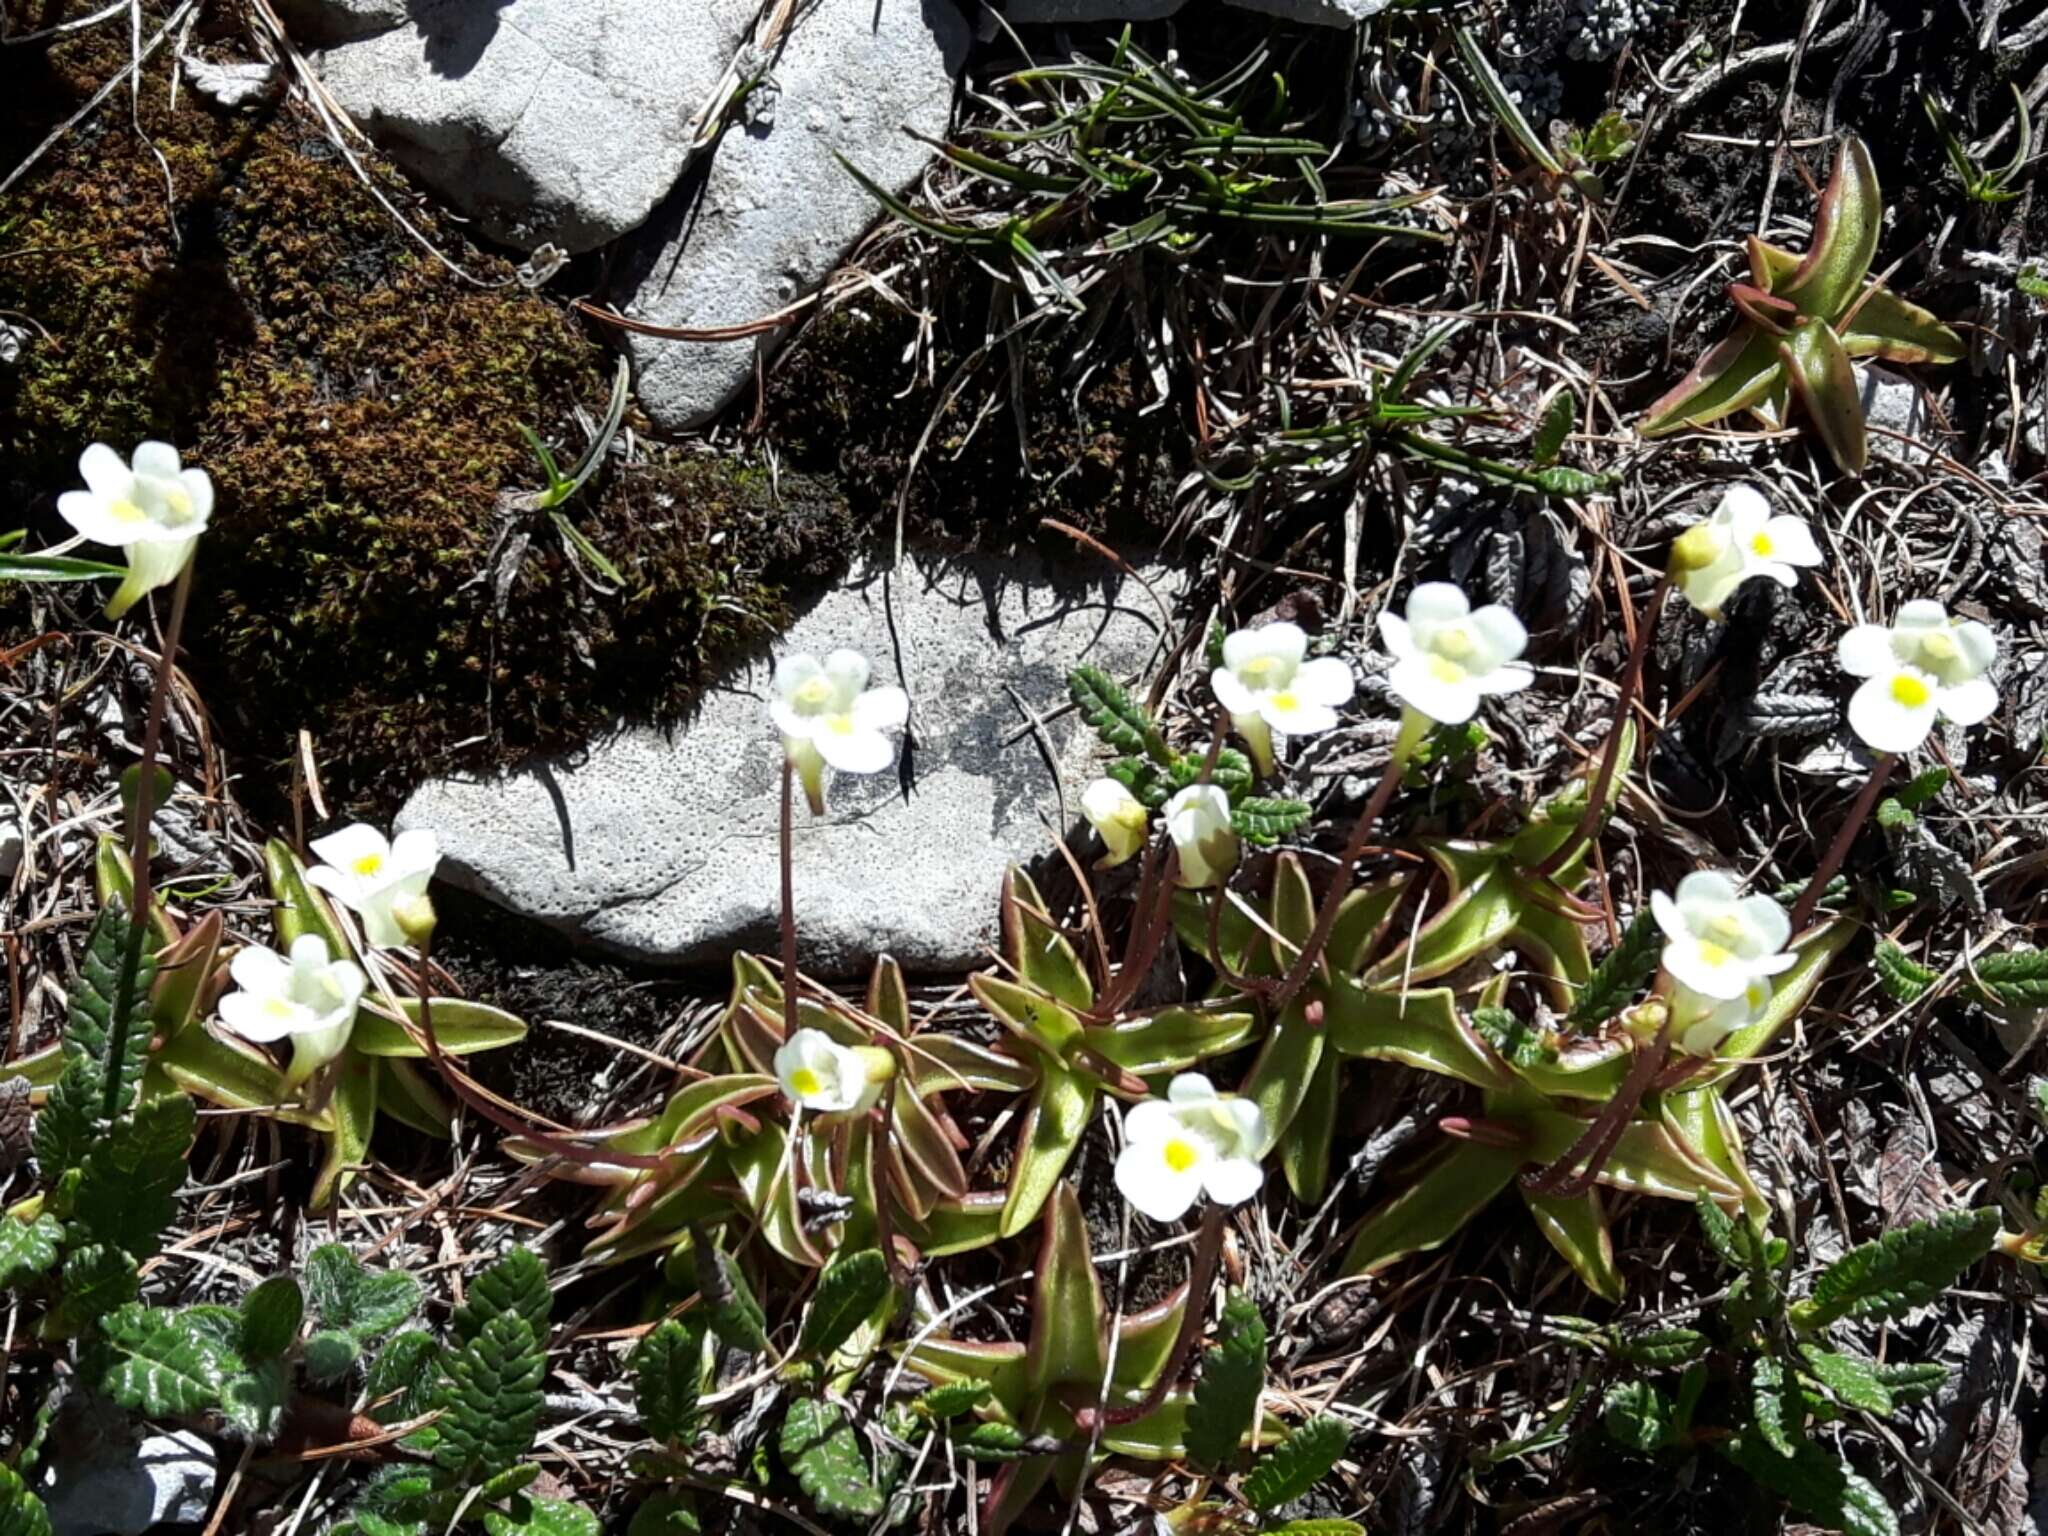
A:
(1448, 656)
(1194, 1141)
(1119, 816)
(1742, 539)
(1267, 687)
(820, 1074)
(1198, 821)
(370, 876)
(1716, 941)
(154, 509)
(1926, 664)
(829, 716)
(311, 998)
(1700, 1023)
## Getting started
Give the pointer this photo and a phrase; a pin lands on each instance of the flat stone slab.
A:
(1324, 13)
(562, 121)
(662, 846)
(776, 211)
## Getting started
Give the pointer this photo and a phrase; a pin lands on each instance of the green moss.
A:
(358, 406)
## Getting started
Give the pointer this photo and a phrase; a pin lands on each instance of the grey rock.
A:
(321, 22)
(1893, 401)
(663, 847)
(10, 851)
(545, 120)
(776, 211)
(124, 1489)
(1322, 13)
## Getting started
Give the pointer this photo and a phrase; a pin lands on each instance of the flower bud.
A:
(415, 917)
(1697, 548)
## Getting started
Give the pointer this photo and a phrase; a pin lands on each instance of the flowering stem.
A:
(1201, 1270)
(152, 739)
(1624, 701)
(789, 1012)
(1414, 726)
(1845, 838)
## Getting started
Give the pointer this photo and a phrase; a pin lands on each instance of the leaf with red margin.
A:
(1826, 386)
(1733, 375)
(1844, 238)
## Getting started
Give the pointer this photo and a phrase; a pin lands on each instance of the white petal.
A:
(1326, 680)
(90, 518)
(1396, 636)
(253, 1018)
(1669, 919)
(1970, 703)
(380, 928)
(154, 562)
(1792, 541)
(1921, 613)
(1773, 965)
(1232, 1180)
(1866, 651)
(1153, 1188)
(1249, 1123)
(1150, 1120)
(1231, 692)
(1505, 634)
(793, 671)
(1885, 724)
(1190, 1088)
(344, 888)
(1412, 682)
(106, 472)
(849, 672)
(259, 970)
(199, 486)
(1512, 677)
(350, 846)
(415, 852)
(1707, 889)
(794, 726)
(309, 954)
(1767, 920)
(1105, 799)
(855, 750)
(1682, 958)
(1978, 645)
(158, 460)
(1304, 719)
(1743, 509)
(1282, 642)
(1437, 602)
(881, 709)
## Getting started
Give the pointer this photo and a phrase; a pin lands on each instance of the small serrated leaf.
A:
(270, 1315)
(1777, 1407)
(849, 1290)
(159, 1364)
(1232, 773)
(1265, 821)
(130, 1176)
(1723, 1235)
(1226, 1398)
(1559, 418)
(821, 1450)
(1851, 1378)
(27, 1248)
(1904, 979)
(330, 1355)
(1790, 714)
(518, 1284)
(1298, 1463)
(1904, 1269)
(1912, 1381)
(491, 1400)
(1661, 1348)
(1108, 707)
(1636, 1416)
(991, 1442)
(2018, 978)
(94, 1281)
(1815, 1483)
(1619, 979)
(668, 1367)
(952, 1400)
(360, 1302)
(21, 1512)
(525, 1516)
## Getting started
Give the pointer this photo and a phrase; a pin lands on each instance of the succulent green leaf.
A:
(1067, 1322)
(1054, 1121)
(1577, 1229)
(1170, 1040)
(1432, 1210)
(850, 1288)
(491, 1401)
(161, 1364)
(1732, 376)
(1904, 1269)
(822, 1451)
(1881, 324)
(1298, 1463)
(516, 1284)
(1305, 1149)
(1825, 384)
(1844, 238)
(1226, 1399)
(461, 1028)
(1038, 949)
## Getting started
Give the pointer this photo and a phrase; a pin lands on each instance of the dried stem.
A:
(1201, 1270)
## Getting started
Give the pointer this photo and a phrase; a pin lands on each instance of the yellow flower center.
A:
(1259, 666)
(805, 1083)
(276, 1008)
(1445, 670)
(840, 725)
(125, 511)
(1941, 645)
(1286, 703)
(1455, 641)
(1130, 815)
(1714, 954)
(369, 864)
(1761, 546)
(1910, 691)
(1726, 929)
(1180, 1155)
(178, 501)
(814, 690)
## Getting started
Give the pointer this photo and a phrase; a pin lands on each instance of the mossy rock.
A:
(358, 404)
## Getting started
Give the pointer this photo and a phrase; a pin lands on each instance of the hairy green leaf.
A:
(1619, 979)
(491, 1401)
(1265, 822)
(131, 1175)
(404, 1377)
(271, 1314)
(361, 1303)
(517, 1284)
(2018, 978)
(1226, 1398)
(95, 1280)
(525, 1516)
(1636, 1416)
(1815, 1483)
(849, 1290)
(106, 1041)
(821, 1450)
(330, 1355)
(668, 1367)
(1852, 1378)
(162, 1364)
(1904, 1269)
(1298, 1463)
